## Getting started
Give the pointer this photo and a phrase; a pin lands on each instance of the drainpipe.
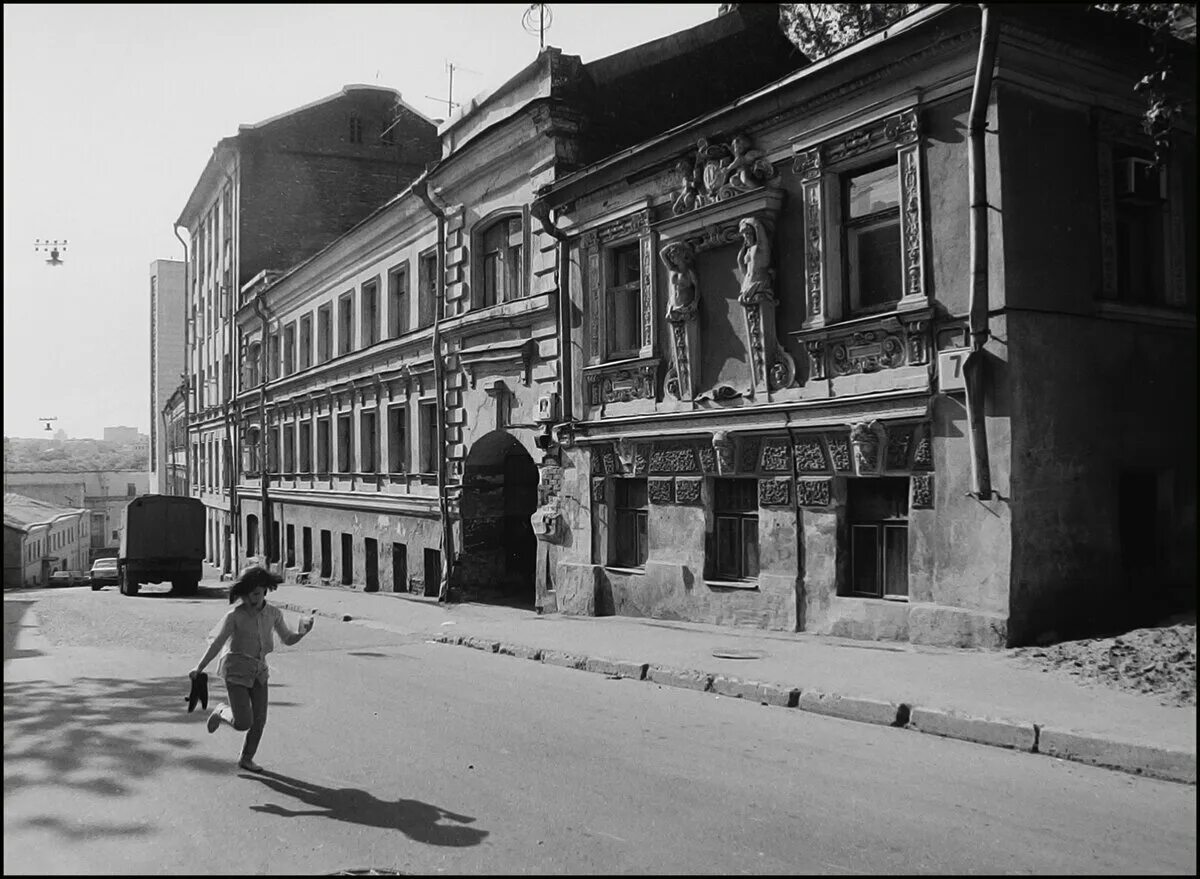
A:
(233, 459)
(541, 211)
(264, 476)
(974, 369)
(421, 187)
(187, 372)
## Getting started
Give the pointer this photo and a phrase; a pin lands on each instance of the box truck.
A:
(162, 541)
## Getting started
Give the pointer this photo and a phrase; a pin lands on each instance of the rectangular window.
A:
(273, 358)
(306, 549)
(370, 313)
(1140, 219)
(323, 462)
(735, 528)
(398, 439)
(344, 462)
(346, 323)
(624, 300)
(429, 449)
(326, 554)
(368, 443)
(273, 450)
(289, 448)
(305, 446)
(289, 349)
(631, 508)
(324, 333)
(426, 288)
(290, 548)
(871, 224)
(398, 301)
(877, 510)
(347, 559)
(130, 489)
(306, 341)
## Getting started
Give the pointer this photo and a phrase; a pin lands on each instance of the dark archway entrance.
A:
(499, 553)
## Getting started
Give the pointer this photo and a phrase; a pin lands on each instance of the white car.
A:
(104, 573)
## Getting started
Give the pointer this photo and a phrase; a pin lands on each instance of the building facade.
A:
(367, 459)
(125, 436)
(41, 538)
(770, 424)
(166, 355)
(270, 196)
(173, 417)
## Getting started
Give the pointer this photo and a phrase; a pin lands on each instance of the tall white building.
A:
(167, 354)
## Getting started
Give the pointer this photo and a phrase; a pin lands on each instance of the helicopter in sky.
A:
(55, 248)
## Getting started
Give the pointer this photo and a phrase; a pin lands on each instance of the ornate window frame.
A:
(823, 166)
(596, 248)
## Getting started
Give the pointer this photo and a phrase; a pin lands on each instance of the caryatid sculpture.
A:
(683, 301)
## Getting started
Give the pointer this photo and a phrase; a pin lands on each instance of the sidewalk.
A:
(973, 695)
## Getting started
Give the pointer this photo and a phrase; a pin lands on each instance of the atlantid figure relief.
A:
(682, 299)
(754, 263)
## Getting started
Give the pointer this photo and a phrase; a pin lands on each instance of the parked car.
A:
(68, 578)
(104, 573)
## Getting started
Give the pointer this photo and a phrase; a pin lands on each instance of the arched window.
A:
(500, 273)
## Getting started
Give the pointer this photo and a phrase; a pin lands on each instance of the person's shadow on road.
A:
(417, 820)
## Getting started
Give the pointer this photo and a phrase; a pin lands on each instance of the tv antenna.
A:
(537, 20)
(53, 248)
(449, 99)
(48, 420)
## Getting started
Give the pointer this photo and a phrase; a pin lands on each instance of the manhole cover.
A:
(733, 653)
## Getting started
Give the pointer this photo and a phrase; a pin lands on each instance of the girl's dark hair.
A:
(250, 579)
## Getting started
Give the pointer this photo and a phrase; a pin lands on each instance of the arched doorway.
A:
(499, 552)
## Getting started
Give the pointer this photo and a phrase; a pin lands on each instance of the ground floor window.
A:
(735, 529)
(877, 510)
(631, 507)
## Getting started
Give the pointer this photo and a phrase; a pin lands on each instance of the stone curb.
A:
(997, 733)
(1130, 757)
(1162, 763)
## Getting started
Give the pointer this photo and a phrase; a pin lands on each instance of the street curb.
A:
(1110, 754)
(984, 731)
(1026, 736)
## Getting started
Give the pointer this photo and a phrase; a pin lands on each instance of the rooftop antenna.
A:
(53, 247)
(536, 20)
(449, 99)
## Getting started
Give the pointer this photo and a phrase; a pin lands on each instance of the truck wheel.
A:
(184, 587)
(128, 588)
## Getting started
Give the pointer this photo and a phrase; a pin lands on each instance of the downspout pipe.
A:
(540, 210)
(264, 475)
(187, 369)
(975, 367)
(420, 186)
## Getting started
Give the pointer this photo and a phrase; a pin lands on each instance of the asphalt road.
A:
(390, 752)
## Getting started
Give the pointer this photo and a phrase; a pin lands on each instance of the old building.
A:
(366, 459)
(269, 197)
(768, 423)
(166, 353)
(103, 493)
(40, 538)
(174, 470)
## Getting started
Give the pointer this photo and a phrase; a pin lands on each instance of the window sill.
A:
(732, 584)
(867, 596)
(621, 569)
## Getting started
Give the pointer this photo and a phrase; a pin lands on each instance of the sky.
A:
(111, 112)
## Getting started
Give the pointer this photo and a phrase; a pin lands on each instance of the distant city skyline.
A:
(112, 111)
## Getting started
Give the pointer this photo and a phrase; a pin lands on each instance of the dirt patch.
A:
(1158, 661)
